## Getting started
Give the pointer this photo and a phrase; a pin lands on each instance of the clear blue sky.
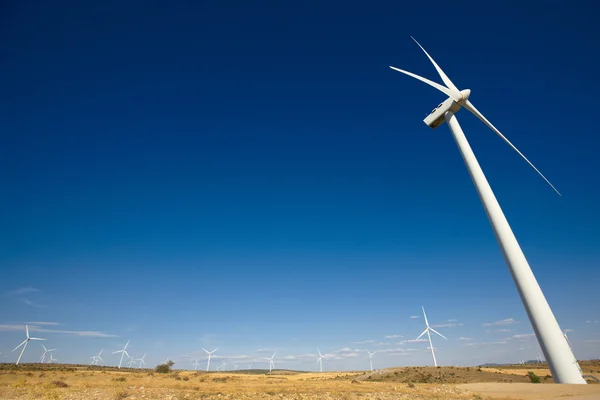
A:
(255, 178)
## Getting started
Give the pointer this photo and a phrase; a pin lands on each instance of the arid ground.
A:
(56, 381)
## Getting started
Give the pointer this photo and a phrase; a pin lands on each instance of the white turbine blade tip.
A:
(469, 106)
(444, 77)
(439, 87)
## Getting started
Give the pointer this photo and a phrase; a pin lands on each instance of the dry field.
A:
(56, 381)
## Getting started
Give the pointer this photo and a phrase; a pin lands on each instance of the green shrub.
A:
(164, 368)
(533, 377)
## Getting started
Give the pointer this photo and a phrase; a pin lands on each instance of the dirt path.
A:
(529, 391)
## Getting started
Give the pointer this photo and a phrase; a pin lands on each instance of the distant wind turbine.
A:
(131, 361)
(45, 352)
(25, 343)
(96, 359)
(196, 365)
(209, 357)
(320, 360)
(141, 360)
(271, 363)
(123, 352)
(370, 358)
(426, 331)
(52, 359)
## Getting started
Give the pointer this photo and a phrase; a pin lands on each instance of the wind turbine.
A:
(370, 358)
(196, 365)
(24, 343)
(97, 358)
(131, 361)
(52, 359)
(45, 352)
(123, 352)
(320, 360)
(271, 363)
(209, 356)
(141, 360)
(427, 330)
(561, 361)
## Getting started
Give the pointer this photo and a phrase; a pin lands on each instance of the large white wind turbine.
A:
(123, 352)
(271, 363)
(209, 356)
(320, 360)
(24, 343)
(46, 351)
(426, 331)
(561, 361)
(370, 358)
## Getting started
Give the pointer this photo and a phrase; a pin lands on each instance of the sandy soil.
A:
(528, 391)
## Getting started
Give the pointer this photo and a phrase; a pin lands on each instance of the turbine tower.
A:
(320, 360)
(561, 361)
(427, 330)
(123, 352)
(46, 351)
(271, 363)
(24, 343)
(209, 356)
(370, 358)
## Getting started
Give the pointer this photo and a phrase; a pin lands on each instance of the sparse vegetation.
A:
(533, 377)
(409, 383)
(164, 368)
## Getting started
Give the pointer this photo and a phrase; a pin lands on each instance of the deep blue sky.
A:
(255, 177)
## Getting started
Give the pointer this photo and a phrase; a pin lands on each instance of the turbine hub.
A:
(464, 94)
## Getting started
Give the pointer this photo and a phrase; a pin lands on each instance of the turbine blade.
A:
(118, 351)
(27, 330)
(444, 77)
(35, 338)
(127, 344)
(424, 332)
(425, 315)
(469, 106)
(439, 87)
(433, 330)
(45, 349)
(22, 343)
(206, 351)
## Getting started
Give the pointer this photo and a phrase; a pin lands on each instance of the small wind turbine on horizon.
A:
(209, 357)
(141, 360)
(97, 358)
(271, 363)
(320, 360)
(196, 365)
(123, 352)
(52, 359)
(370, 358)
(46, 351)
(24, 343)
(426, 331)
(561, 360)
(130, 362)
